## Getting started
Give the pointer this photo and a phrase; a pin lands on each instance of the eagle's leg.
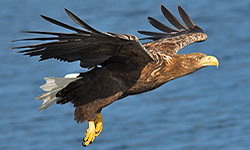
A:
(90, 134)
(95, 128)
(98, 124)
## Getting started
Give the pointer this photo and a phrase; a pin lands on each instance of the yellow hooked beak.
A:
(209, 61)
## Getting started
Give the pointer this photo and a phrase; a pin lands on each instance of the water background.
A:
(207, 110)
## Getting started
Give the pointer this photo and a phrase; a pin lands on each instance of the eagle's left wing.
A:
(171, 40)
(90, 47)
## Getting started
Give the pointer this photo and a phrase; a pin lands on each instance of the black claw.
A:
(83, 144)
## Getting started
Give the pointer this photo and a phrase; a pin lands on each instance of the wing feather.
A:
(160, 26)
(187, 20)
(171, 18)
(63, 25)
(81, 23)
(37, 39)
(52, 33)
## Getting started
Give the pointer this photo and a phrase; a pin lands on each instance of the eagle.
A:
(118, 65)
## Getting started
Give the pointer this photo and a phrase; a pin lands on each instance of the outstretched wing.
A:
(172, 40)
(90, 46)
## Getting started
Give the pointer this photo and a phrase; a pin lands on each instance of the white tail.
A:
(52, 86)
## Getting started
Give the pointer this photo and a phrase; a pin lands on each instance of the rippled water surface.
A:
(207, 110)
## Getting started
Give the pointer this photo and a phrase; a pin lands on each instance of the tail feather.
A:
(52, 86)
(48, 103)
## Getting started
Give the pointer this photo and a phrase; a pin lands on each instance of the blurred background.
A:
(207, 110)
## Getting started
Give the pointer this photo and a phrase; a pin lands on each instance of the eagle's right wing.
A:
(171, 40)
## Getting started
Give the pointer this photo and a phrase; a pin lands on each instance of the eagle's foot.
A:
(98, 124)
(95, 128)
(90, 134)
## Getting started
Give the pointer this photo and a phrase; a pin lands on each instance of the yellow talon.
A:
(90, 134)
(98, 124)
(95, 128)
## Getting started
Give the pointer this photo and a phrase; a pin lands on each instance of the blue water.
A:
(207, 110)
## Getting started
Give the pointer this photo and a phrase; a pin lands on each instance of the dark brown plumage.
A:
(119, 64)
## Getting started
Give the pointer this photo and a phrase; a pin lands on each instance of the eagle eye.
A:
(198, 58)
